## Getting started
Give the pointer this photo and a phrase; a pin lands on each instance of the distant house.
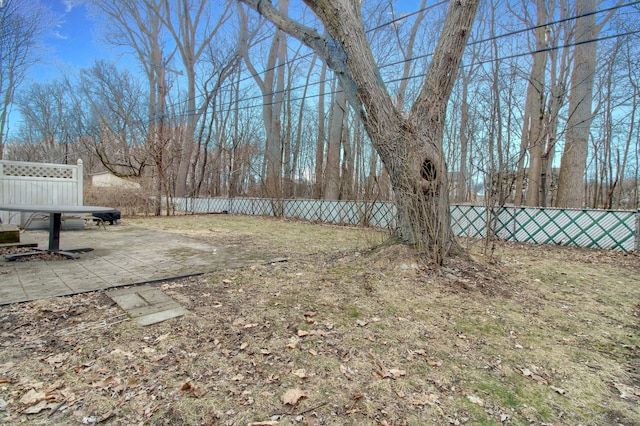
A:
(109, 180)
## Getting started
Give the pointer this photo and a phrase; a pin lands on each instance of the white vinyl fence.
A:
(39, 183)
(605, 229)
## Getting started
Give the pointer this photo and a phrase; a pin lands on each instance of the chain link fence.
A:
(604, 229)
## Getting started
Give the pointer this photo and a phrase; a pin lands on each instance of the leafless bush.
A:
(130, 202)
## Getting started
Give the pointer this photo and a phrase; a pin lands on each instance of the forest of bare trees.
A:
(542, 108)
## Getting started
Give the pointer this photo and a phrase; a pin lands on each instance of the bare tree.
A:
(139, 28)
(112, 118)
(571, 187)
(47, 111)
(272, 87)
(21, 23)
(320, 141)
(532, 130)
(409, 143)
(337, 117)
(192, 25)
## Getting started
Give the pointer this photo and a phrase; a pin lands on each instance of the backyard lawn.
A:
(341, 330)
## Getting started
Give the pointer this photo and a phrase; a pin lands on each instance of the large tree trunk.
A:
(532, 132)
(461, 179)
(409, 144)
(320, 141)
(332, 169)
(571, 188)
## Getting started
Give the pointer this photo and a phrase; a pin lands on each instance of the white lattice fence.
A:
(606, 229)
(39, 183)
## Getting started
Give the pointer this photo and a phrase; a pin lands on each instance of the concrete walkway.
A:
(122, 255)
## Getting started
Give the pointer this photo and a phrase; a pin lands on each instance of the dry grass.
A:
(535, 335)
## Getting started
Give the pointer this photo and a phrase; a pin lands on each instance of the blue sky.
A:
(71, 43)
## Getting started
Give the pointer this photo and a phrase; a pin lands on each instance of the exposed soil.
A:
(340, 333)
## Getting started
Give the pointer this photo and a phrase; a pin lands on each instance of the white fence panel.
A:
(39, 183)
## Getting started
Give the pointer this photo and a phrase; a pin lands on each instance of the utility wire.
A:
(422, 75)
(471, 43)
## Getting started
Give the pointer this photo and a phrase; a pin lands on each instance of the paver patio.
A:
(122, 255)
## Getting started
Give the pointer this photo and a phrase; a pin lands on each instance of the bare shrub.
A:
(130, 202)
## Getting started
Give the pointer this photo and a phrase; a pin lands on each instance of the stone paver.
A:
(122, 255)
(148, 305)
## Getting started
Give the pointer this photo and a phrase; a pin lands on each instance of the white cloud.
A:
(56, 34)
(70, 4)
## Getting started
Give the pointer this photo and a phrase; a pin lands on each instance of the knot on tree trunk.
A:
(429, 177)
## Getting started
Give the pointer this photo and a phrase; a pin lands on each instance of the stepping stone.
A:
(147, 305)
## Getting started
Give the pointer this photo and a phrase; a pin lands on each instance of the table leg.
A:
(55, 223)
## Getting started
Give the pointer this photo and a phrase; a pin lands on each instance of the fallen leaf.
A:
(395, 373)
(384, 372)
(539, 379)
(347, 371)
(626, 392)
(435, 363)
(424, 399)
(35, 409)
(292, 396)
(32, 397)
(533, 375)
(56, 385)
(163, 337)
(300, 373)
(57, 360)
(192, 390)
(362, 323)
(475, 400)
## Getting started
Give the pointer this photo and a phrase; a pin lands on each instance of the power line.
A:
(422, 75)
(522, 30)
(386, 24)
(471, 43)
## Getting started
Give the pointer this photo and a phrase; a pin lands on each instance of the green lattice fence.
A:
(606, 229)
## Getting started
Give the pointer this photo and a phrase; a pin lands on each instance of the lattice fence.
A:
(38, 183)
(605, 229)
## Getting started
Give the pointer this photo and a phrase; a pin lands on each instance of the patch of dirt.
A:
(45, 256)
(340, 334)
